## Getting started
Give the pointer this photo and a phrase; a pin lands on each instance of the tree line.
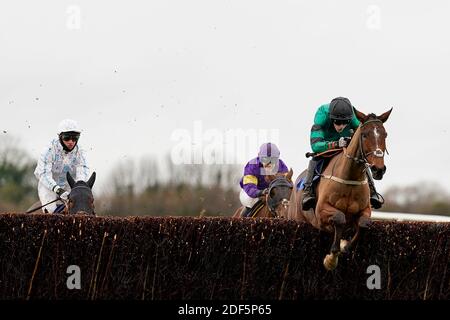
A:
(151, 187)
(18, 186)
(147, 187)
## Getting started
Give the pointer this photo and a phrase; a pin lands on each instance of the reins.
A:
(362, 160)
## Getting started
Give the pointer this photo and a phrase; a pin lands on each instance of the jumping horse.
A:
(342, 192)
(276, 202)
(80, 199)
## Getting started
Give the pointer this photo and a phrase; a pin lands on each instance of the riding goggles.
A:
(267, 160)
(67, 137)
(341, 122)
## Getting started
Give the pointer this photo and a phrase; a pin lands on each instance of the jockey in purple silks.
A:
(253, 183)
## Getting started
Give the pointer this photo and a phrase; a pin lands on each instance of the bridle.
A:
(66, 202)
(362, 158)
(271, 203)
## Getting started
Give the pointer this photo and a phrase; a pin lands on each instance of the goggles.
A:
(267, 160)
(341, 122)
(67, 137)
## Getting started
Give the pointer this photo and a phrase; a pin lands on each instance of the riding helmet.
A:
(269, 149)
(341, 109)
(68, 125)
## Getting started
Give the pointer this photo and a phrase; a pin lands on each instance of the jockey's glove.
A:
(59, 191)
(343, 142)
(64, 196)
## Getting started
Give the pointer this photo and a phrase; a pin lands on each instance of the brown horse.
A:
(276, 201)
(342, 192)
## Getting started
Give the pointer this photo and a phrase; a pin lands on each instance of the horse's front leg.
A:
(362, 224)
(337, 220)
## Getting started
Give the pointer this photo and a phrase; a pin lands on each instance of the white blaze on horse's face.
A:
(377, 135)
(377, 152)
(285, 203)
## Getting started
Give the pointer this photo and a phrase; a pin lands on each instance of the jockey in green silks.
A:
(333, 124)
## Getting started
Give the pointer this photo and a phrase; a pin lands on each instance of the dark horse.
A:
(81, 199)
(276, 203)
(342, 191)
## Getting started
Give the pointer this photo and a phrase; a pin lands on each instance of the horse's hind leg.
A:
(331, 260)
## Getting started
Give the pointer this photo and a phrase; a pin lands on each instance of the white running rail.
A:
(380, 215)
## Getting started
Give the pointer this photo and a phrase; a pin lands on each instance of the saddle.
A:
(322, 158)
(256, 208)
(300, 183)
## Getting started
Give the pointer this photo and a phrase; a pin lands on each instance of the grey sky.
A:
(136, 71)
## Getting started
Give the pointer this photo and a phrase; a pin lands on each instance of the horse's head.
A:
(80, 197)
(280, 189)
(373, 141)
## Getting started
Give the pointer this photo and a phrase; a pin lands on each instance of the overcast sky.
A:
(139, 75)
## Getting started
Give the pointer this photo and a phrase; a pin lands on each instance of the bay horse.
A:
(276, 202)
(342, 193)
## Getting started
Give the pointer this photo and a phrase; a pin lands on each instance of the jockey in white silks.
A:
(62, 155)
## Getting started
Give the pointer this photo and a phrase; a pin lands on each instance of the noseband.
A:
(362, 159)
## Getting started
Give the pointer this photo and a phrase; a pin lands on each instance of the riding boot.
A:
(309, 197)
(376, 201)
(246, 212)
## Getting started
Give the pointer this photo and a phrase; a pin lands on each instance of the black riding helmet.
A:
(341, 109)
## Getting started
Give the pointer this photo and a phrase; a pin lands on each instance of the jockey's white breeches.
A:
(46, 196)
(246, 200)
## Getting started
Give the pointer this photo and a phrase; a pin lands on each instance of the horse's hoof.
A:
(344, 246)
(330, 262)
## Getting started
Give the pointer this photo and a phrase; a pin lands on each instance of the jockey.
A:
(332, 127)
(253, 183)
(62, 155)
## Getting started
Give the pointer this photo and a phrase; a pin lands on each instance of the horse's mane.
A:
(81, 183)
(371, 116)
(280, 181)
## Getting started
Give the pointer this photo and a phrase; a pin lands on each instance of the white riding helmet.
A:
(68, 125)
